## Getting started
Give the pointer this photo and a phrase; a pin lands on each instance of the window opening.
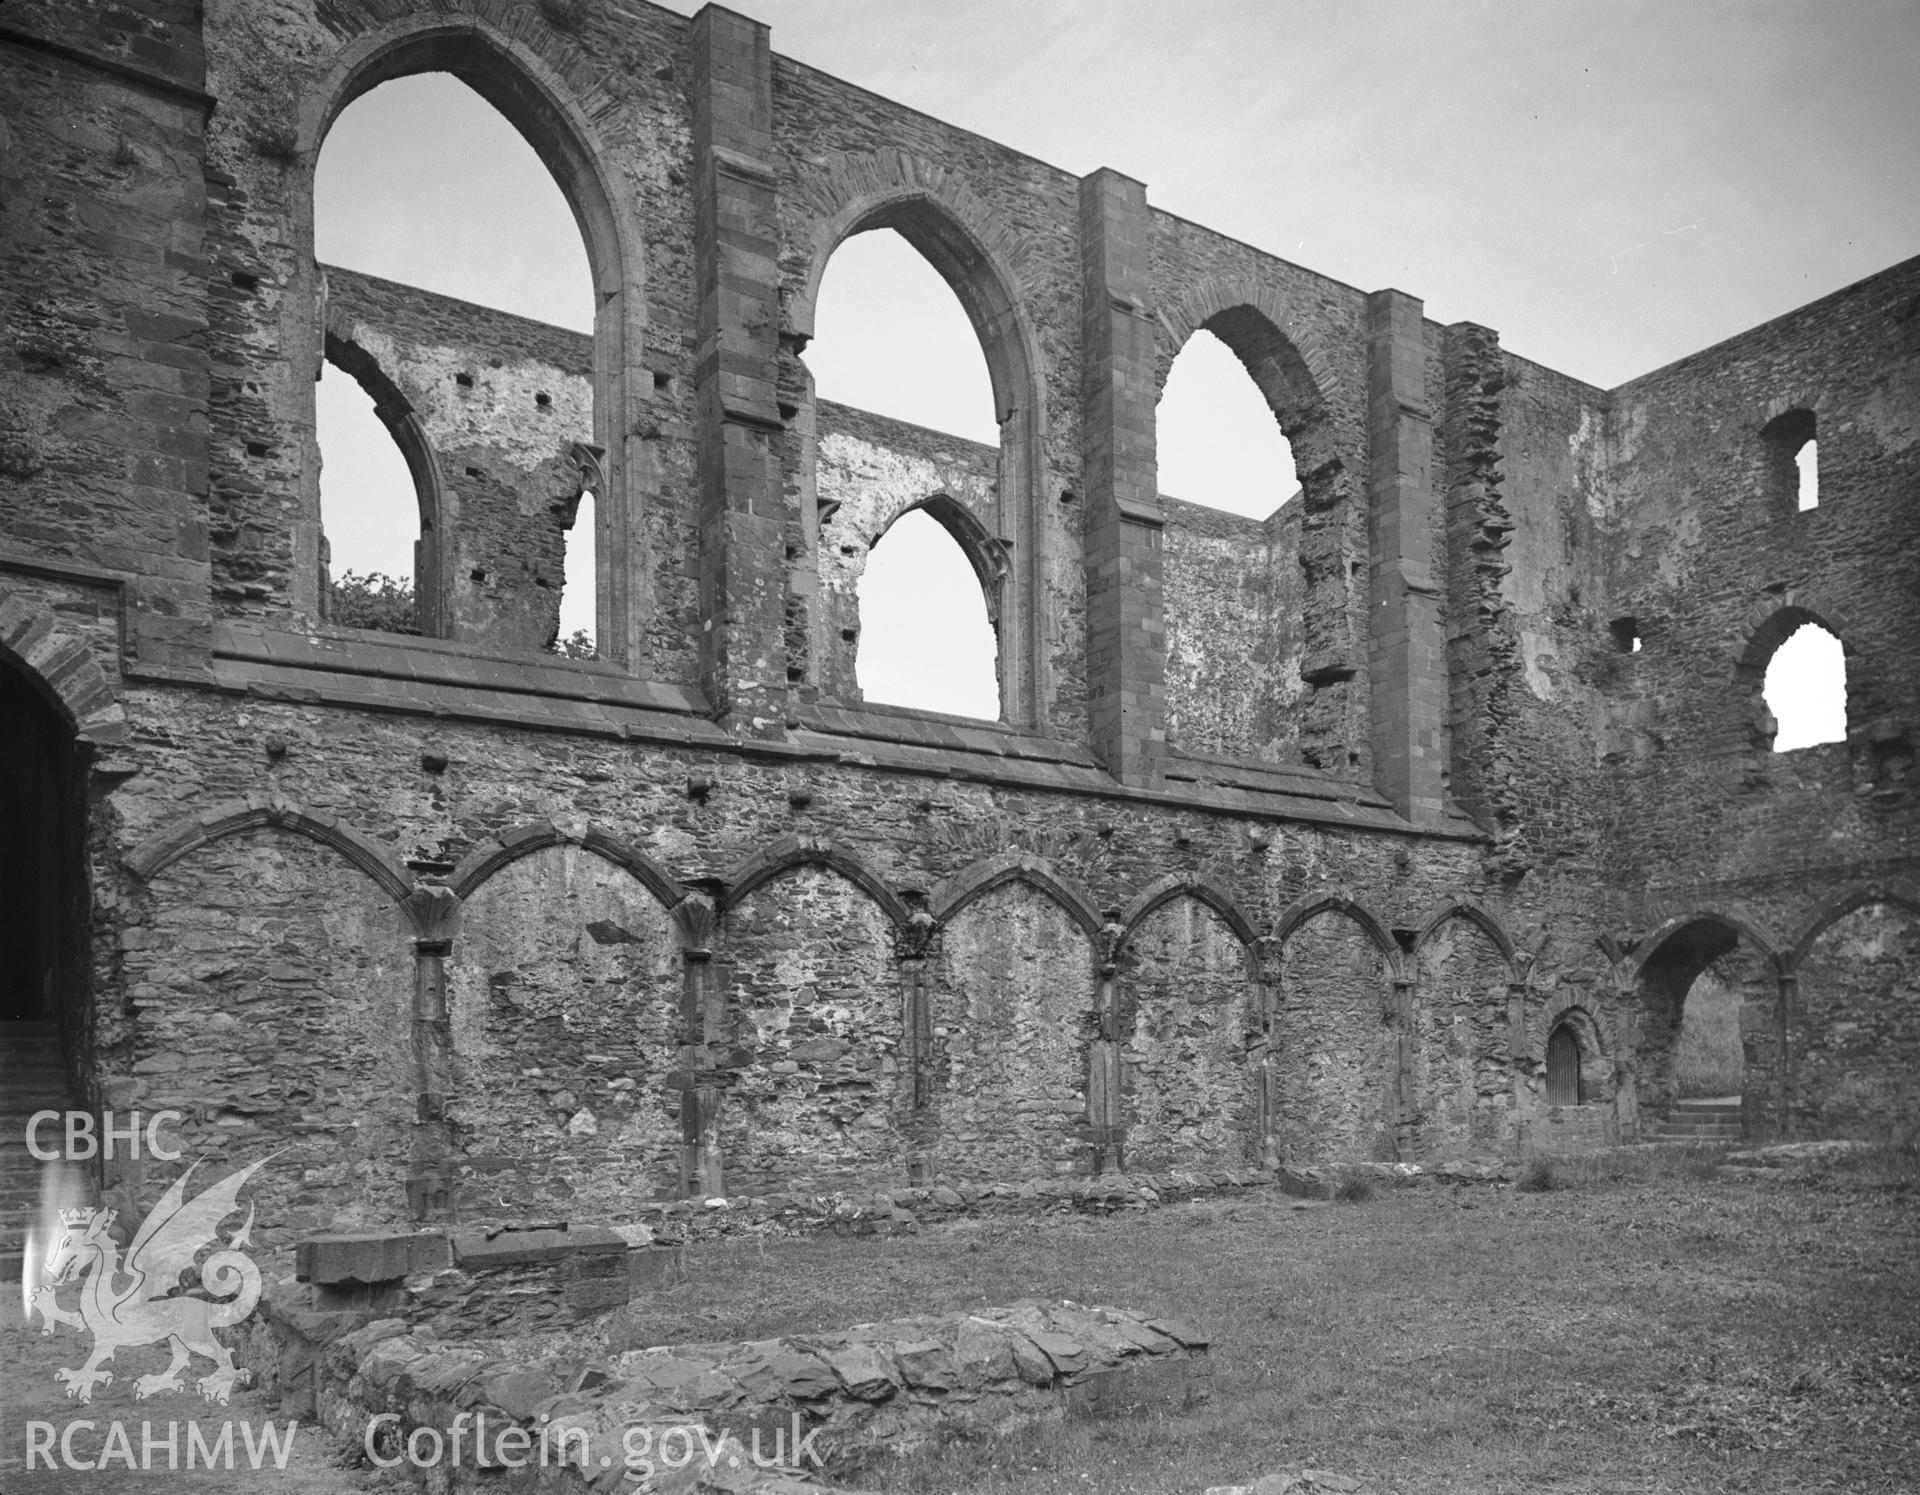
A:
(892, 338)
(1793, 459)
(369, 512)
(925, 638)
(578, 594)
(1806, 689)
(421, 181)
(1219, 444)
(1626, 635)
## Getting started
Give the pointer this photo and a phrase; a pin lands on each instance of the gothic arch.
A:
(1591, 1015)
(498, 852)
(1339, 901)
(1249, 317)
(985, 554)
(1838, 907)
(428, 910)
(1479, 915)
(548, 90)
(808, 851)
(62, 669)
(955, 893)
(1729, 921)
(982, 260)
(933, 209)
(1185, 885)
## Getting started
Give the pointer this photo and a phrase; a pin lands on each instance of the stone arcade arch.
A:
(529, 77)
(1665, 969)
(809, 989)
(564, 996)
(1335, 1032)
(1015, 1023)
(1187, 1014)
(1459, 1034)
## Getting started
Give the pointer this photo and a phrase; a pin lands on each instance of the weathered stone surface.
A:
(462, 930)
(371, 1257)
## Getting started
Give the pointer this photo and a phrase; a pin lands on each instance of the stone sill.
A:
(352, 651)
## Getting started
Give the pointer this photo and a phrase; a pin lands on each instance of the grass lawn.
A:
(1653, 1323)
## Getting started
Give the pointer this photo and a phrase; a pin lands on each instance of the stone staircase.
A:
(1716, 1119)
(33, 1078)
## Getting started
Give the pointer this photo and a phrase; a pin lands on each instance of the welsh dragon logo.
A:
(135, 1301)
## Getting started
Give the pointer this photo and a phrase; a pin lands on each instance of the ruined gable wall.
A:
(1705, 545)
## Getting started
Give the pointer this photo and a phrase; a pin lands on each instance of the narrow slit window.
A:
(1806, 463)
(579, 593)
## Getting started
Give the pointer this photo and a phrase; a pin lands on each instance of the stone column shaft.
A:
(743, 505)
(1126, 621)
(1408, 653)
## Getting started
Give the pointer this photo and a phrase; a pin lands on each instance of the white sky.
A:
(1610, 185)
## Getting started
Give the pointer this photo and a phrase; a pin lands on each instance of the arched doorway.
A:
(42, 846)
(1707, 1053)
(43, 930)
(1563, 1067)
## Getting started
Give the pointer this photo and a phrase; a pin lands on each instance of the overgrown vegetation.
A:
(1655, 1322)
(1710, 1060)
(375, 600)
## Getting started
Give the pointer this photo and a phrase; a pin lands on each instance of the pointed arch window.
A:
(929, 606)
(397, 143)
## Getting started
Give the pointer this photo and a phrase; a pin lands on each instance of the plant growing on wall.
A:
(375, 600)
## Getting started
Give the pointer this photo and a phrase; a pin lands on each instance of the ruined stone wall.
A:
(104, 301)
(1711, 559)
(1234, 633)
(470, 931)
(1190, 1012)
(564, 1007)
